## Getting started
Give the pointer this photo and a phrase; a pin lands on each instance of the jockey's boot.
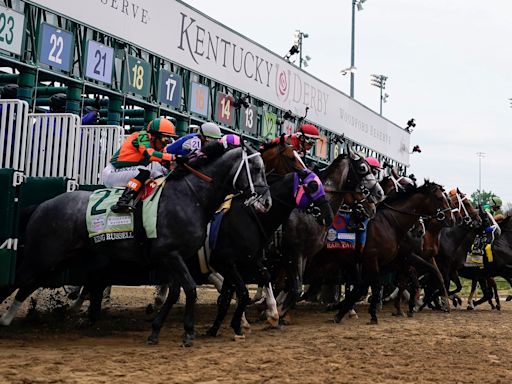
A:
(127, 201)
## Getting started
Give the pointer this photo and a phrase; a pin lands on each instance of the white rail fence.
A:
(13, 134)
(55, 144)
(97, 145)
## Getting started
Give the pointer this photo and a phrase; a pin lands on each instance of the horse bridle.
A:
(440, 214)
(244, 163)
(460, 200)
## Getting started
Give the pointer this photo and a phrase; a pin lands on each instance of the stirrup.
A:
(121, 207)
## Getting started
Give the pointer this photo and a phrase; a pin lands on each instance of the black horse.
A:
(58, 233)
(456, 243)
(242, 236)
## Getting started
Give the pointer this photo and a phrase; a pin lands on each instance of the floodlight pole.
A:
(480, 156)
(352, 50)
(300, 49)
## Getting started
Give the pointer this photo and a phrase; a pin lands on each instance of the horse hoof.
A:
(469, 308)
(373, 322)
(212, 332)
(509, 298)
(410, 314)
(188, 340)
(285, 320)
(498, 307)
(338, 318)
(239, 337)
(273, 321)
(152, 340)
(398, 314)
(3, 322)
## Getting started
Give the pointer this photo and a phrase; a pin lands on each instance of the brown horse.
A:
(421, 251)
(386, 231)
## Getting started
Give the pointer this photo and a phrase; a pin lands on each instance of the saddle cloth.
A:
(105, 225)
(341, 235)
(212, 232)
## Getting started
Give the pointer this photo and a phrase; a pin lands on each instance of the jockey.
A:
(58, 105)
(193, 142)
(495, 208)
(375, 167)
(303, 140)
(138, 159)
(484, 240)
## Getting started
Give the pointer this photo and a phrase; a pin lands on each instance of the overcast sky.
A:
(449, 65)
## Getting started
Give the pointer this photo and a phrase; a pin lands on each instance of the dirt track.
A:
(461, 347)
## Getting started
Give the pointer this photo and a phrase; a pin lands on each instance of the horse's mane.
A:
(269, 144)
(427, 187)
(332, 168)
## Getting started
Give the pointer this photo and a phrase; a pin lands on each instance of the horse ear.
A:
(282, 143)
(353, 155)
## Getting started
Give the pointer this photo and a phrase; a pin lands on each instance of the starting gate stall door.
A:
(51, 146)
(13, 131)
(8, 225)
(97, 145)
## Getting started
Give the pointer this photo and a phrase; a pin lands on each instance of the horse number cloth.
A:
(105, 225)
(341, 236)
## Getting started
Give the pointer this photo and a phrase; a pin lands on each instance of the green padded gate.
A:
(8, 224)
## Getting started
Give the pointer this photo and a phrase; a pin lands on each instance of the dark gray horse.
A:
(303, 237)
(58, 233)
(456, 243)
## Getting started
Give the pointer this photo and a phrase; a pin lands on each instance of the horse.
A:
(385, 232)
(420, 251)
(323, 269)
(347, 180)
(244, 234)
(457, 242)
(186, 204)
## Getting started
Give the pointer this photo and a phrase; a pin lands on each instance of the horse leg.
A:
(471, 304)
(216, 279)
(223, 301)
(372, 310)
(183, 277)
(494, 288)
(156, 325)
(414, 287)
(160, 295)
(242, 300)
(96, 296)
(487, 293)
(20, 297)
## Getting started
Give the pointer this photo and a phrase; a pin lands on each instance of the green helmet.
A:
(495, 201)
(210, 130)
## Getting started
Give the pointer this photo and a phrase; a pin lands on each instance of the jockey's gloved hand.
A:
(182, 160)
(489, 229)
(166, 164)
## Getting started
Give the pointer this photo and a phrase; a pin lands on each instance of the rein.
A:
(440, 214)
(198, 174)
